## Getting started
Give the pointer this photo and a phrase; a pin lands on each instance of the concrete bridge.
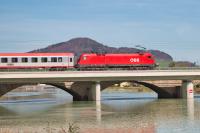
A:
(87, 85)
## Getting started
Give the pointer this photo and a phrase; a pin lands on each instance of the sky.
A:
(172, 26)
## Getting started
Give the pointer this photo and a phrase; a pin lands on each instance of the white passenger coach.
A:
(36, 60)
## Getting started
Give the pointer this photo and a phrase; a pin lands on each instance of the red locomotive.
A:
(86, 61)
(129, 61)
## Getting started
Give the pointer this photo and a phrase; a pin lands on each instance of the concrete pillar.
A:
(95, 92)
(187, 90)
(190, 109)
(98, 111)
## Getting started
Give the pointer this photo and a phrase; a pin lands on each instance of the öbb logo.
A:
(135, 60)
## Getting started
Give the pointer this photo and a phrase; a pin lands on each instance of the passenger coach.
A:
(36, 60)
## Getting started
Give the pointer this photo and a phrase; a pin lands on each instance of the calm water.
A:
(117, 112)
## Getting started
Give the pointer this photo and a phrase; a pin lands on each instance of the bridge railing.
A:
(72, 69)
(177, 68)
(35, 70)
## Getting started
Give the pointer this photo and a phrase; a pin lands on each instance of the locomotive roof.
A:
(116, 54)
(36, 54)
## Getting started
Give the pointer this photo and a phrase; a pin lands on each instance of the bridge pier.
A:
(95, 92)
(85, 91)
(187, 89)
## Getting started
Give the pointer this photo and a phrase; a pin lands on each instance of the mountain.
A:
(87, 45)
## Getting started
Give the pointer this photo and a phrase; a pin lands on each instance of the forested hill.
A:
(81, 45)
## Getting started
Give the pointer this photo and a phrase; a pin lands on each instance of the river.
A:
(119, 111)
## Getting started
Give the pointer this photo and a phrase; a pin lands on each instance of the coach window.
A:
(70, 60)
(4, 60)
(24, 60)
(54, 59)
(14, 60)
(59, 59)
(44, 59)
(34, 60)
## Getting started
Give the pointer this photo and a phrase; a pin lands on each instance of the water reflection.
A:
(98, 111)
(120, 112)
(190, 109)
(31, 108)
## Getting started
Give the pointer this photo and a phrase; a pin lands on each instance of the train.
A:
(86, 61)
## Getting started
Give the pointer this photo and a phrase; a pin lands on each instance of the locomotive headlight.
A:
(84, 57)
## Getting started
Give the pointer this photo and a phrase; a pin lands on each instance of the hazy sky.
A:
(172, 26)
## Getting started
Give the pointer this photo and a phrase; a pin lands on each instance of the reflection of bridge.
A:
(87, 85)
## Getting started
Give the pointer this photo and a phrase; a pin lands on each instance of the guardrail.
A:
(177, 68)
(37, 70)
(73, 69)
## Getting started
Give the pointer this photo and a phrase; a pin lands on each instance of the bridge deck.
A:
(62, 76)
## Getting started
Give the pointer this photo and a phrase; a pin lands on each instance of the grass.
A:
(129, 89)
(72, 128)
(163, 63)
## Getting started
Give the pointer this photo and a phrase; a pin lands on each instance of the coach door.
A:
(71, 61)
